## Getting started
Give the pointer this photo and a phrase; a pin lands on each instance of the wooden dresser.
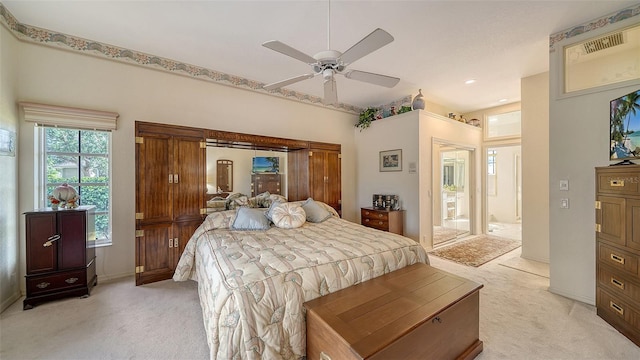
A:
(386, 220)
(60, 262)
(417, 312)
(618, 248)
(266, 182)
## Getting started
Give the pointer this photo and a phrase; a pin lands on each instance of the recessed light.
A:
(470, 81)
(502, 100)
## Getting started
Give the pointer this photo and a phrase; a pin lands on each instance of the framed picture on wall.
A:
(391, 160)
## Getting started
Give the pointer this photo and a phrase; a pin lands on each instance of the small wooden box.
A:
(417, 312)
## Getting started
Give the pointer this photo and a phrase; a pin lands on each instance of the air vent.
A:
(604, 42)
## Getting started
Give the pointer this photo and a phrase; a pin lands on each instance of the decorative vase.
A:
(418, 101)
(65, 193)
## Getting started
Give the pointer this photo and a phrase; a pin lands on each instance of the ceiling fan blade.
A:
(286, 82)
(285, 49)
(370, 43)
(330, 92)
(377, 79)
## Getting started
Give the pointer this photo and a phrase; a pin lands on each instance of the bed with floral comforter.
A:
(253, 283)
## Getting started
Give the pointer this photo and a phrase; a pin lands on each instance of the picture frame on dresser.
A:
(391, 160)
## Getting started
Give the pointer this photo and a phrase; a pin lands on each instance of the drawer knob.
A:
(436, 320)
(366, 213)
(617, 283)
(43, 285)
(71, 280)
(366, 220)
(617, 258)
(324, 356)
(380, 215)
(379, 222)
(617, 308)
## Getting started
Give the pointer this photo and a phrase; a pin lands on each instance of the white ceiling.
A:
(438, 44)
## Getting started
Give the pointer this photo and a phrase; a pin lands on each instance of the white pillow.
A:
(288, 215)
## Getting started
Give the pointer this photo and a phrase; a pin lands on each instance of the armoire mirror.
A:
(224, 175)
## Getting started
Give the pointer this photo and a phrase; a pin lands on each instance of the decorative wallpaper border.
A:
(593, 25)
(88, 47)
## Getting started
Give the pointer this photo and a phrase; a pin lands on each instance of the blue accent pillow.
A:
(250, 219)
(315, 212)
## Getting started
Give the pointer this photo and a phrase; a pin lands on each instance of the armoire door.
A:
(325, 178)
(189, 162)
(155, 156)
(40, 229)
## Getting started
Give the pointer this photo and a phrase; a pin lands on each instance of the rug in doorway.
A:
(477, 250)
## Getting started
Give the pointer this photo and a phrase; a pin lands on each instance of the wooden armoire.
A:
(170, 180)
(316, 172)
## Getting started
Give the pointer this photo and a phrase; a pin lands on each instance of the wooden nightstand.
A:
(385, 220)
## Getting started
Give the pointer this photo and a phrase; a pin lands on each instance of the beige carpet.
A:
(476, 250)
(519, 319)
(530, 266)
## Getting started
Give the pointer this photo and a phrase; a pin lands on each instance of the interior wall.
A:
(53, 76)
(391, 133)
(535, 167)
(9, 243)
(578, 142)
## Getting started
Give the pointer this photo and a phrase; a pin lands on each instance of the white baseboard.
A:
(105, 278)
(10, 300)
(586, 300)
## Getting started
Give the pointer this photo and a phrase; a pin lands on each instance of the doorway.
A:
(504, 191)
(452, 193)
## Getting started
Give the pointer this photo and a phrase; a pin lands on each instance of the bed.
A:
(252, 283)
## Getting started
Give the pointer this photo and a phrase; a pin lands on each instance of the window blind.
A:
(68, 117)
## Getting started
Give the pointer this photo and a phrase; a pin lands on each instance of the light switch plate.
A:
(564, 185)
(564, 203)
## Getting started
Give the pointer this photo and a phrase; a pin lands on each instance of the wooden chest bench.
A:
(418, 312)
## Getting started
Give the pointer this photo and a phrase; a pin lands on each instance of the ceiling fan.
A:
(331, 62)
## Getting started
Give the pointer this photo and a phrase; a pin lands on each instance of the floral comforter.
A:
(252, 284)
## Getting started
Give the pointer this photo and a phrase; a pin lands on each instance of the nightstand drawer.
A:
(376, 224)
(374, 214)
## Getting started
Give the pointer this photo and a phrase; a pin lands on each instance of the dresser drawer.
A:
(374, 215)
(618, 259)
(376, 224)
(617, 283)
(618, 181)
(614, 307)
(59, 281)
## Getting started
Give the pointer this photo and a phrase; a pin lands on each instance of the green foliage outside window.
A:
(80, 158)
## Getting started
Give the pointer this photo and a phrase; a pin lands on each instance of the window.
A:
(81, 158)
(505, 125)
(491, 162)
